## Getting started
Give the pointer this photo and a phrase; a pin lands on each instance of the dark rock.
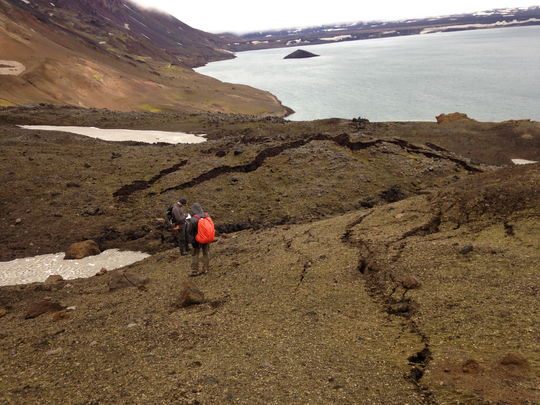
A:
(102, 272)
(234, 180)
(72, 184)
(368, 203)
(92, 211)
(123, 279)
(399, 308)
(466, 249)
(83, 249)
(189, 295)
(300, 54)
(116, 155)
(42, 307)
(470, 366)
(238, 151)
(392, 194)
(221, 153)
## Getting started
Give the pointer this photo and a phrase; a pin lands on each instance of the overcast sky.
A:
(242, 16)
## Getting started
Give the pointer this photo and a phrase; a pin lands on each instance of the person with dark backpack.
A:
(177, 217)
(200, 233)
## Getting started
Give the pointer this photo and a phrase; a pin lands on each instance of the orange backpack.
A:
(205, 229)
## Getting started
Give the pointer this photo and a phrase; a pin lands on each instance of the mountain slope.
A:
(114, 55)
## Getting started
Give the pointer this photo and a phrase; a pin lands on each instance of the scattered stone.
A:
(18, 221)
(87, 166)
(53, 279)
(83, 249)
(368, 203)
(470, 366)
(410, 283)
(392, 194)
(221, 153)
(54, 351)
(399, 308)
(102, 272)
(189, 295)
(3, 312)
(60, 315)
(123, 278)
(72, 308)
(234, 180)
(116, 155)
(93, 343)
(238, 151)
(92, 211)
(513, 359)
(72, 184)
(132, 325)
(42, 307)
(68, 285)
(466, 249)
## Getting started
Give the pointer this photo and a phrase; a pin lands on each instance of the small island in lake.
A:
(300, 54)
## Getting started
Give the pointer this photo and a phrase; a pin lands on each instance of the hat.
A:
(182, 200)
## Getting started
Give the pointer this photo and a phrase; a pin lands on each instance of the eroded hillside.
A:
(112, 54)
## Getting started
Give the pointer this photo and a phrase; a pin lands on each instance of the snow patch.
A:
(523, 161)
(11, 67)
(336, 38)
(469, 26)
(119, 135)
(38, 268)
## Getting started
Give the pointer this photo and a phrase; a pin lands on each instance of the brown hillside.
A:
(76, 53)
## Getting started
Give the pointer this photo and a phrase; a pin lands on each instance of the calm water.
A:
(492, 75)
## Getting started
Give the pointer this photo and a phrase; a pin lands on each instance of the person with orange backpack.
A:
(201, 233)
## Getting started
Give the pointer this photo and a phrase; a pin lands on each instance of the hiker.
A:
(200, 236)
(179, 218)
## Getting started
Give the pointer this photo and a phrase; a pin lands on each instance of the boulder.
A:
(453, 117)
(300, 54)
(53, 279)
(189, 295)
(42, 307)
(123, 278)
(83, 249)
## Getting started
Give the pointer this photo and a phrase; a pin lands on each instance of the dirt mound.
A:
(492, 196)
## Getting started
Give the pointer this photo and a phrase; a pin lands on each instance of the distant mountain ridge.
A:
(502, 17)
(114, 54)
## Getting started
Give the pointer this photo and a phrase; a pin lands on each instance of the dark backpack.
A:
(170, 217)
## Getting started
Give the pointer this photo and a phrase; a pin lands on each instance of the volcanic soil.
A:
(356, 262)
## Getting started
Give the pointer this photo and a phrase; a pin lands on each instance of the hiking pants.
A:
(181, 239)
(205, 248)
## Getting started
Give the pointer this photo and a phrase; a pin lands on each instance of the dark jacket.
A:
(192, 223)
(179, 214)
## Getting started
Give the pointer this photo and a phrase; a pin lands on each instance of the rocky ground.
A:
(357, 262)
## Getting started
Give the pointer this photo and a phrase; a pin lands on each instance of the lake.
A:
(491, 75)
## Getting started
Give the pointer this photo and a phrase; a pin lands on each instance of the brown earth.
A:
(81, 53)
(329, 294)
